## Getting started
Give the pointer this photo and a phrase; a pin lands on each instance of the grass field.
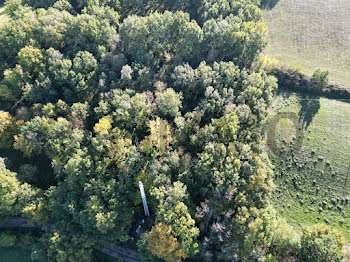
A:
(311, 34)
(14, 255)
(311, 159)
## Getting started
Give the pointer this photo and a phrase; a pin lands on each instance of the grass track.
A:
(311, 34)
(313, 182)
(105, 258)
(14, 255)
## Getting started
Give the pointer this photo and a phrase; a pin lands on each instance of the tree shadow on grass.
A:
(309, 108)
(268, 4)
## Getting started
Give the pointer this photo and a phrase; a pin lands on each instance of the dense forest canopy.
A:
(96, 96)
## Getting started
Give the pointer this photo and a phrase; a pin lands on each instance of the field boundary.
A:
(294, 80)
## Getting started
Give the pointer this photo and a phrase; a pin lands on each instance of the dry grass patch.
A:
(311, 34)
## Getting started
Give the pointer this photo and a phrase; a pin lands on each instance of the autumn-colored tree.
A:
(163, 244)
(32, 60)
(160, 139)
(172, 210)
(8, 128)
(103, 125)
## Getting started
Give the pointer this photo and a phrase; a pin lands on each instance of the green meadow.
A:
(309, 146)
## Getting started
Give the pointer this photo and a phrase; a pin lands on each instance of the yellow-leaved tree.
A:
(163, 244)
(160, 139)
(8, 128)
(103, 125)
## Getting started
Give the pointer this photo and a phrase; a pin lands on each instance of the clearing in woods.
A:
(313, 176)
(311, 34)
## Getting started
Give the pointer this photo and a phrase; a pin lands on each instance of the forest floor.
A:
(309, 146)
(311, 34)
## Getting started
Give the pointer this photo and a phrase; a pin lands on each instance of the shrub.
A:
(320, 158)
(7, 240)
(285, 240)
(264, 62)
(320, 78)
(319, 243)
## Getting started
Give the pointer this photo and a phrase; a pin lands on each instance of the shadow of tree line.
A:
(268, 4)
(309, 108)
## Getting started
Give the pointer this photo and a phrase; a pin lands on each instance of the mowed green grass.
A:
(313, 180)
(14, 255)
(311, 34)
